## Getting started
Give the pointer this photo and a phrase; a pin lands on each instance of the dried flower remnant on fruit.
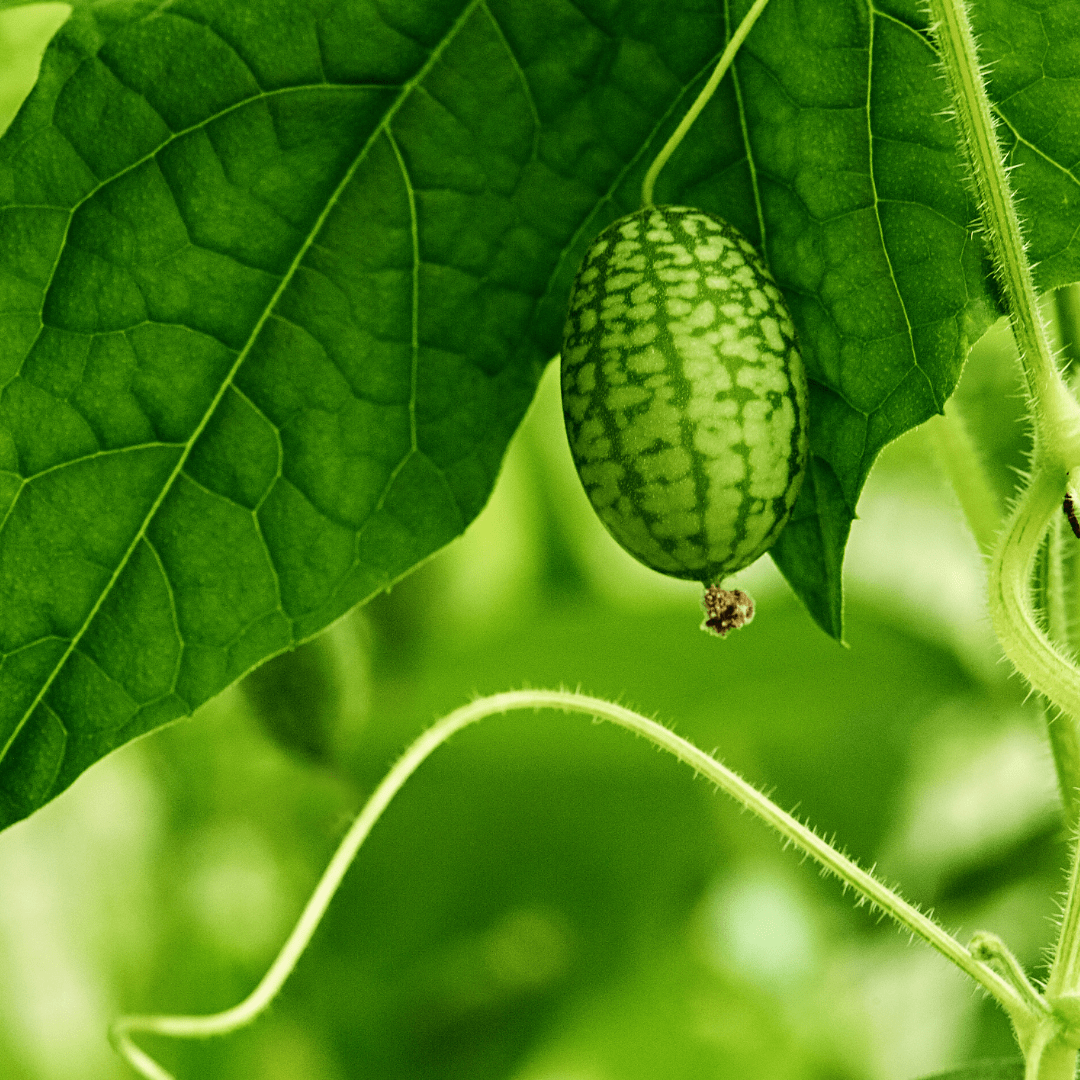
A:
(725, 609)
(1069, 509)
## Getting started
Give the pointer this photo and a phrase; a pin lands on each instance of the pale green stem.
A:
(1067, 303)
(959, 57)
(1048, 670)
(1050, 1057)
(1057, 615)
(1064, 738)
(1056, 455)
(959, 459)
(1040, 1034)
(700, 101)
(991, 949)
(1025, 1015)
(1065, 971)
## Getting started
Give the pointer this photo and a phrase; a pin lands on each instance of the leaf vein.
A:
(170, 592)
(242, 355)
(1035, 149)
(877, 213)
(520, 71)
(414, 232)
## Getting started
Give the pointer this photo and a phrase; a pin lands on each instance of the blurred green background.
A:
(550, 899)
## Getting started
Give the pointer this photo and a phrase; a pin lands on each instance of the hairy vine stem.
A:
(1056, 413)
(1026, 1008)
(956, 42)
(1055, 466)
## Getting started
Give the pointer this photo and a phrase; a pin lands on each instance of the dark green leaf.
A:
(225, 420)
(1032, 56)
(865, 222)
(277, 279)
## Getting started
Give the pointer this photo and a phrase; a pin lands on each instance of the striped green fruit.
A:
(684, 393)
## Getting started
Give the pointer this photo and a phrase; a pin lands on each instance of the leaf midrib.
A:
(72, 210)
(383, 125)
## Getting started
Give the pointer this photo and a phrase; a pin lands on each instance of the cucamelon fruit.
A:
(684, 396)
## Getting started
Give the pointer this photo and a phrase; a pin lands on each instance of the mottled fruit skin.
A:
(684, 393)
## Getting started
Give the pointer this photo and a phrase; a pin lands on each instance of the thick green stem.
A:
(1055, 461)
(959, 459)
(1061, 727)
(1015, 623)
(1065, 972)
(1051, 1058)
(1057, 615)
(959, 58)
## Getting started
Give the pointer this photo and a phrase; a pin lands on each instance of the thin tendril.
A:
(749, 797)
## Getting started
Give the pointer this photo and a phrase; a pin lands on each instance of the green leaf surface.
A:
(227, 417)
(1032, 59)
(277, 280)
(873, 245)
(863, 216)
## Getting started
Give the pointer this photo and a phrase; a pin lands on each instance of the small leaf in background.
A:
(314, 699)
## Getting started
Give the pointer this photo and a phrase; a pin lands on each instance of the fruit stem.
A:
(701, 101)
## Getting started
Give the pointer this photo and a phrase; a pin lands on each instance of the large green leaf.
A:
(277, 279)
(869, 229)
